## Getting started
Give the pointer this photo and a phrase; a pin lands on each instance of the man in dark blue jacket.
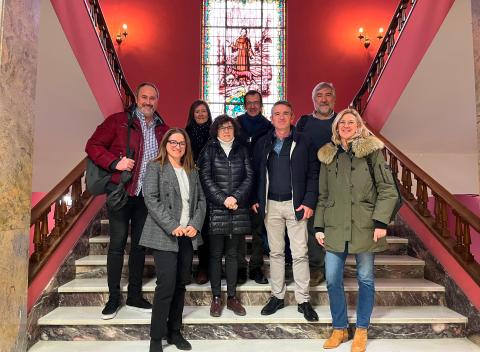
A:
(318, 128)
(285, 194)
(253, 125)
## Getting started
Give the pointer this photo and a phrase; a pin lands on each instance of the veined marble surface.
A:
(289, 314)
(380, 345)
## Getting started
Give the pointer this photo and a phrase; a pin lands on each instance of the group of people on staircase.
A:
(320, 185)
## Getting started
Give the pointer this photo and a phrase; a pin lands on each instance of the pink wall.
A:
(423, 25)
(78, 28)
(163, 46)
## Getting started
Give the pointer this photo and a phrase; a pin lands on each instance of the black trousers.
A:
(135, 212)
(256, 258)
(204, 250)
(220, 245)
(316, 253)
(174, 270)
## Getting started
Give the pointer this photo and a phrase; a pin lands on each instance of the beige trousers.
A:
(279, 215)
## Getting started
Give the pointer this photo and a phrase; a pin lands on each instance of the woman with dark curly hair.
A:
(227, 176)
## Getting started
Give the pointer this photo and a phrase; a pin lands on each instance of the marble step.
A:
(312, 345)
(84, 323)
(99, 244)
(389, 292)
(386, 266)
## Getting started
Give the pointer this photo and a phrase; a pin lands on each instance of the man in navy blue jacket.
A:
(253, 125)
(318, 128)
(285, 194)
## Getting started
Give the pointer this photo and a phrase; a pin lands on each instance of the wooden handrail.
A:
(457, 242)
(98, 21)
(399, 20)
(58, 191)
(69, 198)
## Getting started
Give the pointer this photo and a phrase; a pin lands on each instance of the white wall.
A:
(66, 112)
(434, 122)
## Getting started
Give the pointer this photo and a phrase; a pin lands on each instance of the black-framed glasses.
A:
(176, 144)
(226, 128)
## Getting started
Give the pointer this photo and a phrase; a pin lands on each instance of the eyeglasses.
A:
(176, 144)
(347, 123)
(253, 103)
(225, 128)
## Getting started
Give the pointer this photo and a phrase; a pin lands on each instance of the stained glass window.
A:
(243, 48)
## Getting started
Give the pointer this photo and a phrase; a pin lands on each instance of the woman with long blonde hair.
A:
(357, 196)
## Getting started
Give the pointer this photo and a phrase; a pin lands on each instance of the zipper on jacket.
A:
(230, 211)
(292, 147)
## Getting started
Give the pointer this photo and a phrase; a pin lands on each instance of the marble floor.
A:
(380, 345)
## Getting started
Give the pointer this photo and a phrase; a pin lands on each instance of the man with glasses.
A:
(318, 127)
(253, 125)
(107, 148)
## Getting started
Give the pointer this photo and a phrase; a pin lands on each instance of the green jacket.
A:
(349, 208)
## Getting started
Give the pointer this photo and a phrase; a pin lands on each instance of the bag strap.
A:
(301, 123)
(370, 169)
(129, 129)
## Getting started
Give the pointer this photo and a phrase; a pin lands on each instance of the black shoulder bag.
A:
(96, 177)
(119, 197)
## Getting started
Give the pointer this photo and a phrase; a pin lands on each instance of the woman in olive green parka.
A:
(356, 201)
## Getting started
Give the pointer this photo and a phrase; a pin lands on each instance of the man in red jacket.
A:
(107, 148)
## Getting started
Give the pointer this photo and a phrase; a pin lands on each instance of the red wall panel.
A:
(323, 46)
(162, 46)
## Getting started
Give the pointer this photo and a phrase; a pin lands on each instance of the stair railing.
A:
(418, 190)
(399, 20)
(69, 198)
(98, 21)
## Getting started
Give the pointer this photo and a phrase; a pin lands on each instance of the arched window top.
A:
(243, 48)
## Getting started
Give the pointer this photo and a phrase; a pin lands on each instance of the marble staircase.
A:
(409, 309)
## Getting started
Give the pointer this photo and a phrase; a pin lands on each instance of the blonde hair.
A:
(362, 130)
(187, 158)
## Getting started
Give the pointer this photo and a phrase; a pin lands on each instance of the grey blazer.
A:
(164, 202)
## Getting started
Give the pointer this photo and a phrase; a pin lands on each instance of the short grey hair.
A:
(322, 85)
(144, 84)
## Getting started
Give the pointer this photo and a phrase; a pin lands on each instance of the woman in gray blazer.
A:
(176, 210)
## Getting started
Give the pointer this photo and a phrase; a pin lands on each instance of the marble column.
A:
(476, 58)
(19, 25)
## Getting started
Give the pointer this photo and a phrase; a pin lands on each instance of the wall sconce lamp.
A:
(365, 40)
(122, 34)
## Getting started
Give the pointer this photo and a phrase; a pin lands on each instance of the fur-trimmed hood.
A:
(361, 147)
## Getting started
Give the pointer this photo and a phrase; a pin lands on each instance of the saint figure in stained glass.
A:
(244, 48)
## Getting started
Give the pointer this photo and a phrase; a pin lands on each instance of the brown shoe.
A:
(216, 307)
(234, 304)
(201, 277)
(338, 336)
(316, 277)
(359, 343)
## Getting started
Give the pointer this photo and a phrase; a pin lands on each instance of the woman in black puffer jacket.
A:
(227, 176)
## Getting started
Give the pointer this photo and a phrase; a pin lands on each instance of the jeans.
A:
(220, 245)
(174, 270)
(334, 267)
(134, 212)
